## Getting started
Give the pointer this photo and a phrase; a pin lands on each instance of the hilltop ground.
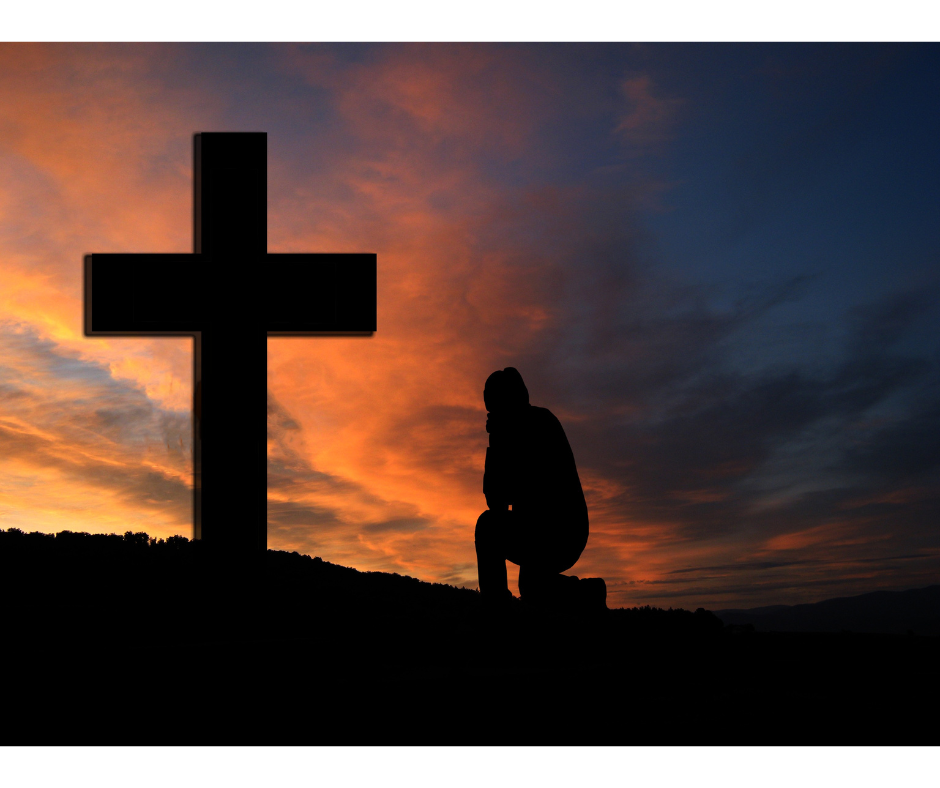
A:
(124, 640)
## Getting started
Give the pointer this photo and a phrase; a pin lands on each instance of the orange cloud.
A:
(433, 157)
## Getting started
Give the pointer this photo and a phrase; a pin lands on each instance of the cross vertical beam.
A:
(230, 354)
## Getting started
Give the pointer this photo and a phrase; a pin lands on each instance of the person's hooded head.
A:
(505, 392)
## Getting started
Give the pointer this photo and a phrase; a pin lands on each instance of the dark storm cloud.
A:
(723, 428)
(661, 401)
(746, 566)
(905, 450)
(878, 326)
(137, 487)
(289, 513)
(279, 420)
(399, 524)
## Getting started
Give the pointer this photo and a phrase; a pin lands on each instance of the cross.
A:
(230, 295)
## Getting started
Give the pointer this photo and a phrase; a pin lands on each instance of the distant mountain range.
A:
(891, 612)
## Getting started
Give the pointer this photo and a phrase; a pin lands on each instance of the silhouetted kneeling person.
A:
(537, 516)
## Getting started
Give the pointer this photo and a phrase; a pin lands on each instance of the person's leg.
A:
(557, 546)
(534, 583)
(493, 539)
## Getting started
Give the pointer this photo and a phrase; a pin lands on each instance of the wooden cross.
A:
(230, 295)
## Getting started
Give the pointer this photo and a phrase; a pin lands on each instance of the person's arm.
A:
(495, 488)
(494, 482)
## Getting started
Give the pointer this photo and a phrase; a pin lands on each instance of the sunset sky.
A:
(716, 264)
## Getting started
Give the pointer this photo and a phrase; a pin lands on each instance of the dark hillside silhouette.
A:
(102, 644)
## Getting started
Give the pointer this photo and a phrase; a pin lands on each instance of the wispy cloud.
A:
(82, 450)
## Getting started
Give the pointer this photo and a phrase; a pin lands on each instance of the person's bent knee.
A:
(486, 524)
(488, 528)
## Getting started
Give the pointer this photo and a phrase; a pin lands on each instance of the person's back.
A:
(550, 487)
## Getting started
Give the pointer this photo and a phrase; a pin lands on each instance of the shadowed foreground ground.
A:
(117, 640)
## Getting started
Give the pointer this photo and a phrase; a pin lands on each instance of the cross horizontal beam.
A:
(183, 294)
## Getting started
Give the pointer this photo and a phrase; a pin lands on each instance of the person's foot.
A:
(498, 603)
(593, 592)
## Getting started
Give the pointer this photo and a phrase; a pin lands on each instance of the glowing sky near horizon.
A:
(716, 264)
